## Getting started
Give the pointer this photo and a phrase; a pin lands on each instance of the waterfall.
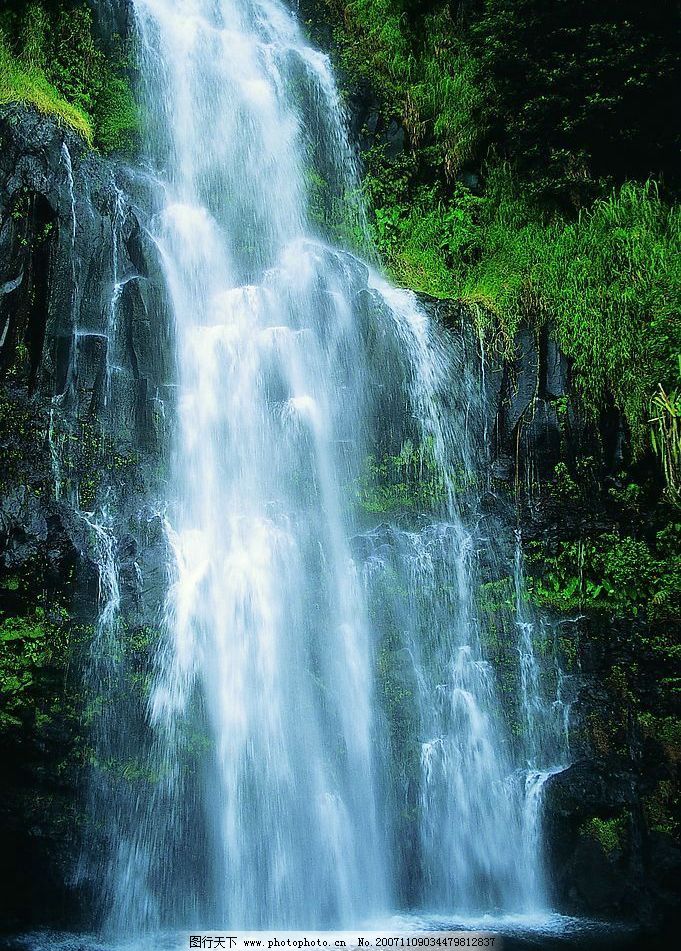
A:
(329, 738)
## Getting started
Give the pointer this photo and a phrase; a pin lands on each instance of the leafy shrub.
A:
(610, 572)
(26, 645)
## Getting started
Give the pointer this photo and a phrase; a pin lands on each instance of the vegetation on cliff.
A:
(51, 59)
(538, 177)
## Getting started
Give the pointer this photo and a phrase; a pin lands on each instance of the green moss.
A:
(395, 690)
(495, 596)
(604, 735)
(568, 651)
(89, 458)
(665, 730)
(662, 808)
(27, 644)
(409, 481)
(609, 833)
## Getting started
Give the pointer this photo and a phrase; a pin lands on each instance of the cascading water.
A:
(330, 739)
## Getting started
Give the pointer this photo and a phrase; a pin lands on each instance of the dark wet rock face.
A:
(611, 841)
(112, 18)
(84, 402)
(534, 388)
(611, 817)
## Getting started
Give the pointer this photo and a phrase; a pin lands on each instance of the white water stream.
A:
(331, 666)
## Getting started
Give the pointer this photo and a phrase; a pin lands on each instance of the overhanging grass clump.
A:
(29, 86)
(608, 282)
(51, 60)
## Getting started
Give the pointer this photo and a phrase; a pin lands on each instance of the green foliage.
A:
(117, 116)
(564, 486)
(426, 242)
(29, 86)
(665, 730)
(609, 833)
(51, 60)
(495, 596)
(662, 806)
(583, 94)
(89, 459)
(610, 572)
(505, 88)
(409, 481)
(397, 696)
(578, 96)
(26, 649)
(666, 436)
(609, 283)
(428, 77)
(612, 284)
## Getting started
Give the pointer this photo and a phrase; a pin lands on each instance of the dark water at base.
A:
(518, 933)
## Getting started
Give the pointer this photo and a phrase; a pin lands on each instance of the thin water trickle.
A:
(68, 166)
(119, 282)
(330, 738)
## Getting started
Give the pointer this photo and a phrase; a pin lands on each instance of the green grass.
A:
(612, 283)
(429, 80)
(27, 85)
(608, 283)
(50, 60)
